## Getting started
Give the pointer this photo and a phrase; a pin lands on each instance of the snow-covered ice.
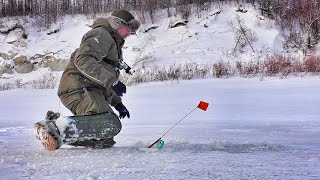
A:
(252, 130)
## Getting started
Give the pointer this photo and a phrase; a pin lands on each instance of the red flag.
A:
(203, 105)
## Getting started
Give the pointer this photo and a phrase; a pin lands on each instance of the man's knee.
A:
(93, 102)
(86, 102)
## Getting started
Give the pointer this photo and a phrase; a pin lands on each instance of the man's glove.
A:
(123, 111)
(119, 88)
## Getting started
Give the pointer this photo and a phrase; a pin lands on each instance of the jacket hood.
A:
(101, 22)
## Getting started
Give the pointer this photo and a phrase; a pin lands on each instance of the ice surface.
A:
(251, 130)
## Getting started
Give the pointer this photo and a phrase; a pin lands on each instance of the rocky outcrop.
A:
(20, 60)
(24, 68)
(15, 38)
(16, 35)
(177, 24)
(53, 63)
(7, 68)
(22, 64)
(8, 56)
(58, 64)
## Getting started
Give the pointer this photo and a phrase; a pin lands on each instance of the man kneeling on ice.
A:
(90, 84)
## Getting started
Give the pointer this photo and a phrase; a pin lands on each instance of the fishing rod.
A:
(160, 143)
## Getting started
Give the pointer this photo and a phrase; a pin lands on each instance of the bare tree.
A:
(183, 8)
(2, 8)
(243, 35)
(299, 21)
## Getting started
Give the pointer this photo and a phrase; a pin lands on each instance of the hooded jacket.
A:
(93, 64)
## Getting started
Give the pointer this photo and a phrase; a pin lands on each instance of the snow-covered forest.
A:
(298, 20)
(256, 62)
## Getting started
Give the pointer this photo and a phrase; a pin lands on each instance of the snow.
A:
(63, 123)
(252, 130)
(37, 74)
(191, 43)
(195, 43)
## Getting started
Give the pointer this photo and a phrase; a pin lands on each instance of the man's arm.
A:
(93, 48)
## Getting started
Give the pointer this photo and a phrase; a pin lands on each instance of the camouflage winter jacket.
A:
(93, 64)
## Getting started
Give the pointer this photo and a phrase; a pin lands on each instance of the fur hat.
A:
(123, 18)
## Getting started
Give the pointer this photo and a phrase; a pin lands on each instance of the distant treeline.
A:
(51, 10)
(61, 7)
